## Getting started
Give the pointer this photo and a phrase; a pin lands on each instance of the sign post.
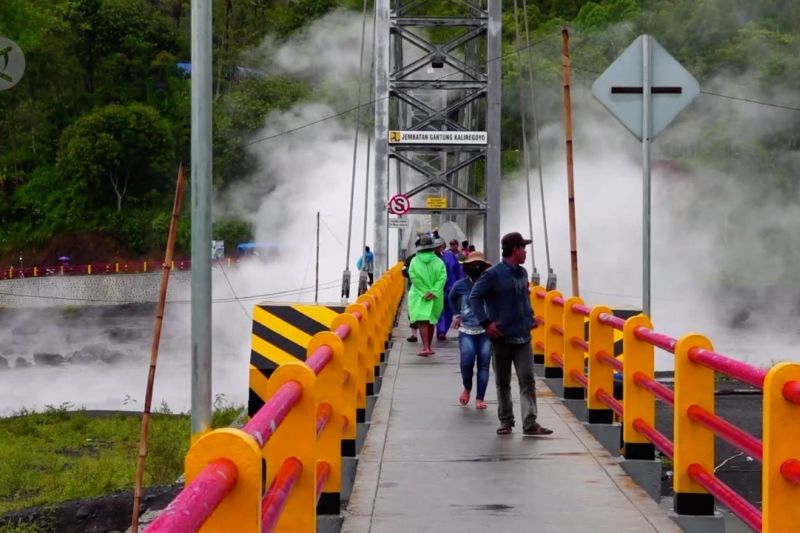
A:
(645, 88)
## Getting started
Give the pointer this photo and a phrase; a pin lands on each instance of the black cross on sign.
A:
(640, 90)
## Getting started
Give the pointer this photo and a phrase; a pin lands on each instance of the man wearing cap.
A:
(426, 295)
(500, 301)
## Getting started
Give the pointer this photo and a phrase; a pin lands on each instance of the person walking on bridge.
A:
(454, 273)
(426, 295)
(473, 343)
(500, 300)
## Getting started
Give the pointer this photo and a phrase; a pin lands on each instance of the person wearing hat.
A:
(426, 295)
(500, 300)
(473, 343)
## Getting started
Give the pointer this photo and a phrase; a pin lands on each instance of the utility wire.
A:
(525, 155)
(528, 47)
(376, 100)
(233, 291)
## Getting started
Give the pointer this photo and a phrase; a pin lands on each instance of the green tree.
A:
(125, 147)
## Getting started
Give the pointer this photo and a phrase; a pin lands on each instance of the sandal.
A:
(464, 398)
(504, 430)
(537, 431)
(480, 404)
(423, 353)
(412, 338)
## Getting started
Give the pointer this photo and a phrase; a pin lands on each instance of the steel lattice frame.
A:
(463, 94)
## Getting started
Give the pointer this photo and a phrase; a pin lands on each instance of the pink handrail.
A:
(613, 362)
(610, 401)
(731, 367)
(579, 377)
(611, 320)
(581, 309)
(790, 469)
(323, 473)
(660, 391)
(278, 494)
(656, 437)
(580, 343)
(266, 421)
(728, 432)
(791, 391)
(665, 342)
(740, 507)
(204, 494)
(323, 415)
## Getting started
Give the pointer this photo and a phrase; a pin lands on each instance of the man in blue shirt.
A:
(366, 263)
(500, 300)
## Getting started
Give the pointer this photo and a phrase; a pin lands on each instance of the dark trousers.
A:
(445, 319)
(521, 357)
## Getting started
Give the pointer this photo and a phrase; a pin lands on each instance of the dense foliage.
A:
(92, 136)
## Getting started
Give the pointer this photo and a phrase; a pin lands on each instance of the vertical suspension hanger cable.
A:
(363, 276)
(346, 273)
(551, 276)
(535, 279)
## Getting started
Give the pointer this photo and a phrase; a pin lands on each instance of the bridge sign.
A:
(399, 204)
(621, 87)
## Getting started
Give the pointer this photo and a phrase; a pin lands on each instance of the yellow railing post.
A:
(89, 269)
(35, 272)
(573, 355)
(374, 331)
(329, 443)
(553, 342)
(295, 438)
(780, 498)
(637, 402)
(601, 375)
(694, 385)
(365, 379)
(144, 266)
(537, 336)
(242, 506)
(354, 381)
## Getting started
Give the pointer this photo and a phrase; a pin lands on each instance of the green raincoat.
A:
(428, 274)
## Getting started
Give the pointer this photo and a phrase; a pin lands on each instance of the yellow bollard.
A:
(144, 266)
(694, 385)
(553, 342)
(35, 272)
(574, 356)
(242, 506)
(638, 403)
(353, 381)
(601, 375)
(296, 438)
(537, 336)
(89, 269)
(780, 497)
(329, 444)
(365, 379)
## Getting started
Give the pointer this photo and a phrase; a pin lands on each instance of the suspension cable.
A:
(525, 155)
(362, 286)
(550, 273)
(346, 274)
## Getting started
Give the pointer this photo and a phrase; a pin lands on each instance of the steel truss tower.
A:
(436, 73)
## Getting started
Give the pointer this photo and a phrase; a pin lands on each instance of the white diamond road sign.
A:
(620, 88)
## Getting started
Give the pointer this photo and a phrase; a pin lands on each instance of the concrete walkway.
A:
(429, 464)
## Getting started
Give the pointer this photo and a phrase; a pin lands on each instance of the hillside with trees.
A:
(91, 138)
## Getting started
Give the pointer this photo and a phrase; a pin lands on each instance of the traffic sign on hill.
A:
(621, 88)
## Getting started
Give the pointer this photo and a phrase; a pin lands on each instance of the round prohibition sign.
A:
(399, 204)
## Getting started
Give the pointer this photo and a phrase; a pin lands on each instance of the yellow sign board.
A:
(436, 202)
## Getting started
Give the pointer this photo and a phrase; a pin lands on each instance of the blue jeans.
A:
(475, 347)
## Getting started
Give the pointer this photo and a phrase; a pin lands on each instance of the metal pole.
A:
(573, 238)
(493, 115)
(381, 229)
(201, 217)
(646, 128)
(316, 272)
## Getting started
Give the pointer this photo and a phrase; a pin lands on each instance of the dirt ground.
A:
(97, 515)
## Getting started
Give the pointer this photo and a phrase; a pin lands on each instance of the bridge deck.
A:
(429, 464)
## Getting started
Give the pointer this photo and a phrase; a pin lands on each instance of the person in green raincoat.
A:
(426, 296)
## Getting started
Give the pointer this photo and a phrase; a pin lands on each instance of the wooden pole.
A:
(148, 398)
(573, 240)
